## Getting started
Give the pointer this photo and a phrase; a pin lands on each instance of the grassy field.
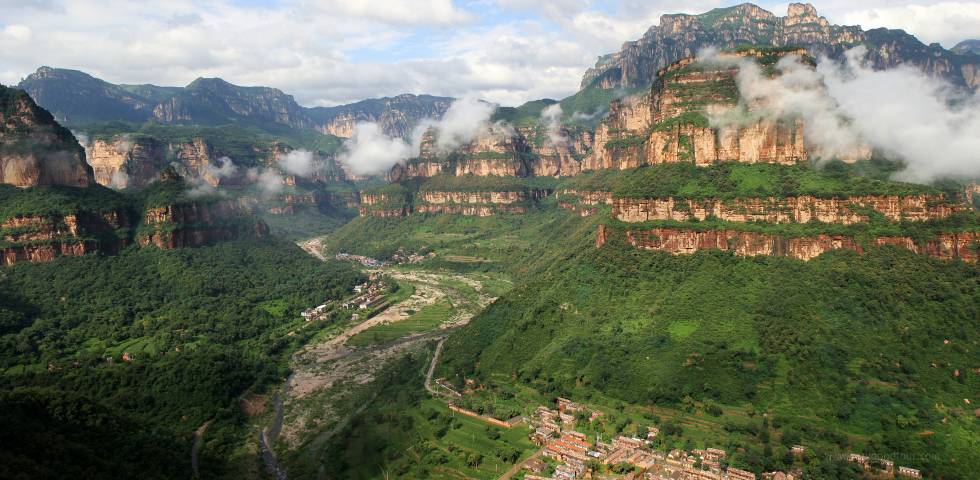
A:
(428, 318)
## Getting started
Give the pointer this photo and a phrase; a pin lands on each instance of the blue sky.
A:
(327, 52)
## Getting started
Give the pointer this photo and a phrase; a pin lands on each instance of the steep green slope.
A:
(858, 342)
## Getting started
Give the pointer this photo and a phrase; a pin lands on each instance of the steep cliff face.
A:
(384, 205)
(498, 150)
(195, 224)
(41, 238)
(679, 36)
(683, 241)
(34, 149)
(583, 202)
(122, 163)
(556, 154)
(125, 161)
(670, 123)
(801, 209)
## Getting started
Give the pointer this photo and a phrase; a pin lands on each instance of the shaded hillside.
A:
(78, 98)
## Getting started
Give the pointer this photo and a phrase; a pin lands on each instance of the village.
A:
(634, 458)
(574, 455)
(368, 295)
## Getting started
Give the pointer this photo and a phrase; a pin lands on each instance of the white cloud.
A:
(334, 51)
(299, 162)
(901, 112)
(551, 119)
(464, 120)
(369, 151)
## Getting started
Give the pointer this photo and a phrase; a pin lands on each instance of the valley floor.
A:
(333, 375)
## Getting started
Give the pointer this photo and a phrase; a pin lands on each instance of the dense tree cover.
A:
(201, 327)
(738, 180)
(55, 200)
(858, 341)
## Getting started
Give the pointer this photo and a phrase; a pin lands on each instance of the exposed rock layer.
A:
(801, 209)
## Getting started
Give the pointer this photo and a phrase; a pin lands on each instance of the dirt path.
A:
(516, 468)
(432, 368)
(325, 372)
(196, 448)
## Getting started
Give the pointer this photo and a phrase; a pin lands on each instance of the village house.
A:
(566, 405)
(652, 433)
(798, 449)
(778, 476)
(909, 472)
(739, 474)
(535, 465)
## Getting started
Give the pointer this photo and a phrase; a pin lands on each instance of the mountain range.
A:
(682, 35)
(77, 98)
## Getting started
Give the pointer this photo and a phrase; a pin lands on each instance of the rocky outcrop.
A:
(135, 161)
(670, 123)
(678, 241)
(38, 238)
(587, 197)
(498, 150)
(496, 198)
(470, 210)
(195, 224)
(34, 148)
(801, 209)
(384, 205)
(556, 154)
(679, 36)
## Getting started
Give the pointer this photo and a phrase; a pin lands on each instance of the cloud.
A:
(369, 151)
(226, 168)
(465, 119)
(299, 162)
(551, 119)
(901, 112)
(269, 181)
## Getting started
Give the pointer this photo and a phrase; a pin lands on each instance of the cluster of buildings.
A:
(554, 430)
(369, 295)
(400, 257)
(366, 261)
(886, 467)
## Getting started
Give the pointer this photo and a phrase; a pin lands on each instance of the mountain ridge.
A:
(683, 35)
(75, 98)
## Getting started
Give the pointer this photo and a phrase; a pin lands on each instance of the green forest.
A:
(200, 328)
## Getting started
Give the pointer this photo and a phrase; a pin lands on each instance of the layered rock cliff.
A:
(124, 161)
(670, 124)
(801, 209)
(196, 224)
(680, 35)
(34, 148)
(678, 241)
(42, 238)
